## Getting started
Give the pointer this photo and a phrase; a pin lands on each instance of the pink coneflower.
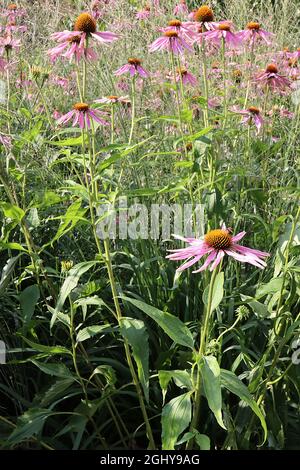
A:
(186, 77)
(113, 99)
(204, 17)
(134, 67)
(216, 244)
(181, 8)
(254, 33)
(71, 48)
(7, 44)
(82, 115)
(292, 69)
(223, 33)
(12, 11)
(272, 79)
(170, 41)
(183, 29)
(12, 27)
(143, 14)
(85, 27)
(251, 115)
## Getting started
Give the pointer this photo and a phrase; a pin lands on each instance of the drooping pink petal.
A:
(207, 262)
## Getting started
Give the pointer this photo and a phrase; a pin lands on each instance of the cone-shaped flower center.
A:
(272, 68)
(182, 70)
(218, 239)
(293, 62)
(253, 110)
(171, 34)
(12, 6)
(134, 61)
(112, 97)
(76, 39)
(253, 25)
(224, 27)
(82, 107)
(85, 23)
(175, 23)
(286, 49)
(204, 14)
(215, 65)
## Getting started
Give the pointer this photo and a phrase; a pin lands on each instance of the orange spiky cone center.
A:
(253, 25)
(253, 110)
(272, 68)
(85, 23)
(204, 14)
(218, 239)
(82, 107)
(134, 61)
(171, 34)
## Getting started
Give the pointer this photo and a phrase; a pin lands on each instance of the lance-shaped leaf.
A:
(171, 325)
(175, 418)
(134, 331)
(210, 372)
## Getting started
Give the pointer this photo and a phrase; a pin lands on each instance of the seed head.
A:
(134, 61)
(82, 107)
(218, 239)
(171, 34)
(253, 25)
(204, 14)
(85, 23)
(272, 68)
(176, 23)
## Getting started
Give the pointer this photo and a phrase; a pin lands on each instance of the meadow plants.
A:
(110, 343)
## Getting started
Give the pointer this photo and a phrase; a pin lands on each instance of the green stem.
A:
(203, 341)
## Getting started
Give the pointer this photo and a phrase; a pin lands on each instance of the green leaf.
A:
(28, 300)
(69, 284)
(12, 212)
(50, 350)
(175, 418)
(258, 308)
(171, 325)
(182, 379)
(29, 424)
(271, 287)
(33, 219)
(56, 390)
(230, 381)
(202, 440)
(66, 142)
(7, 273)
(210, 373)
(74, 214)
(90, 331)
(54, 369)
(218, 292)
(135, 332)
